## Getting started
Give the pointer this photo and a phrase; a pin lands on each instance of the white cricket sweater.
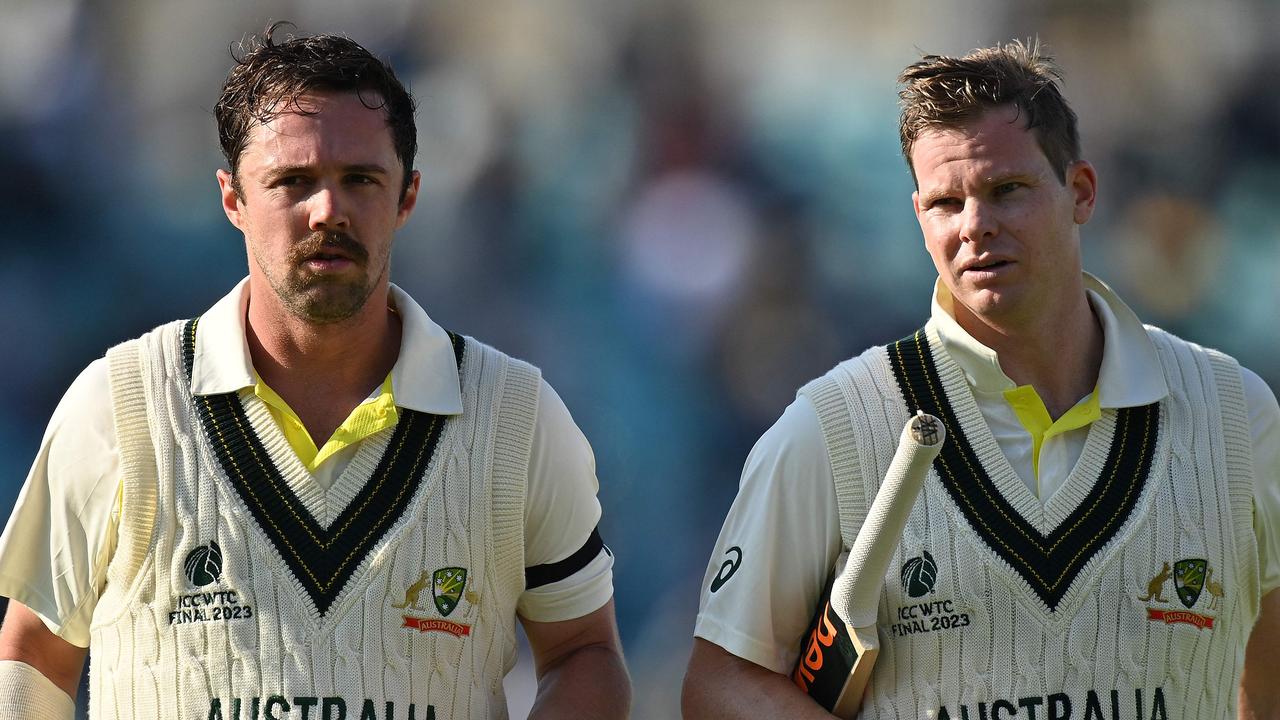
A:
(242, 589)
(1129, 594)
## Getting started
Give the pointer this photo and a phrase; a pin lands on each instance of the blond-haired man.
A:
(1086, 454)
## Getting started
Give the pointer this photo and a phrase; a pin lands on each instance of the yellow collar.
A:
(378, 412)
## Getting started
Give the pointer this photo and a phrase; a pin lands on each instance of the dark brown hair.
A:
(942, 92)
(269, 78)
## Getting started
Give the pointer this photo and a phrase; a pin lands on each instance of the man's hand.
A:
(719, 684)
(1259, 691)
(579, 666)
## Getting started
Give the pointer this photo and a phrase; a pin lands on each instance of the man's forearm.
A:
(1259, 691)
(723, 686)
(589, 683)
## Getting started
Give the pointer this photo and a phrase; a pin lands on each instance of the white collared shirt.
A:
(56, 547)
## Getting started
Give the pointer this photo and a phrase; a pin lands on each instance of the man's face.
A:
(319, 202)
(1002, 229)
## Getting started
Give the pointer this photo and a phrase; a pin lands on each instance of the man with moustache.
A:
(311, 499)
(1100, 536)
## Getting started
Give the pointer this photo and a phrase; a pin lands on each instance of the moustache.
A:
(330, 242)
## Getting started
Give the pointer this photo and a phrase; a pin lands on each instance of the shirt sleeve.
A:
(569, 567)
(55, 548)
(777, 547)
(1264, 426)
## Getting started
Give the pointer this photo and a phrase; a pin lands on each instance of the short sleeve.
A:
(55, 548)
(569, 568)
(777, 546)
(1264, 426)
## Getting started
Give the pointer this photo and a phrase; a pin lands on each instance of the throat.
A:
(322, 423)
(1062, 375)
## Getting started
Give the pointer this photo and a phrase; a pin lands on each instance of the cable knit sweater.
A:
(1129, 594)
(242, 589)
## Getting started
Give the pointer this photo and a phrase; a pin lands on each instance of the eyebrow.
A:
(931, 197)
(992, 180)
(366, 169)
(286, 170)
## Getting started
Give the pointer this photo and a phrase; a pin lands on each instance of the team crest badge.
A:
(446, 588)
(1191, 578)
(1188, 580)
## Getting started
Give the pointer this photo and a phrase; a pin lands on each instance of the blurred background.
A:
(680, 209)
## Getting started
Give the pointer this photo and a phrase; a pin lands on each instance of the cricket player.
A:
(312, 500)
(1100, 535)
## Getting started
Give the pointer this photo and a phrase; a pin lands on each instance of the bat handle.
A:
(855, 595)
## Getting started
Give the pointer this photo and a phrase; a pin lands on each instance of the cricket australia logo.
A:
(1191, 577)
(1188, 580)
(447, 587)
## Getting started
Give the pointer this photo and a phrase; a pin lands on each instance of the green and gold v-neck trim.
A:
(1050, 560)
(322, 558)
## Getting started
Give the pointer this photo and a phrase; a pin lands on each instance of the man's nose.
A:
(977, 221)
(327, 210)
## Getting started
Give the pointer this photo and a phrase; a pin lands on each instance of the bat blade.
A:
(839, 651)
(835, 659)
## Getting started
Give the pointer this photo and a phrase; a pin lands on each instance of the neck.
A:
(1059, 354)
(347, 359)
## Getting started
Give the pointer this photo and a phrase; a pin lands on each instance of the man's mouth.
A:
(327, 256)
(987, 264)
(326, 262)
(331, 251)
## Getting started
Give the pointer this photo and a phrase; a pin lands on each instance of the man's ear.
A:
(231, 201)
(1083, 181)
(410, 199)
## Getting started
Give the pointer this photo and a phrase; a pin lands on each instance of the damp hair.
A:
(270, 77)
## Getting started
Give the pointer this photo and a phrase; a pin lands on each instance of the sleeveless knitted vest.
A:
(1129, 594)
(242, 589)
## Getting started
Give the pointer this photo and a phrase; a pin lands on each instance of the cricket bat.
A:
(840, 648)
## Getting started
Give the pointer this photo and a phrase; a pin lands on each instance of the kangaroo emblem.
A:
(1155, 588)
(414, 592)
(1214, 588)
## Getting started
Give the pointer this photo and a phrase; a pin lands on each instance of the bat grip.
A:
(855, 595)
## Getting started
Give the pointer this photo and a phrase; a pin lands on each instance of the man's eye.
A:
(1006, 188)
(289, 181)
(362, 179)
(945, 202)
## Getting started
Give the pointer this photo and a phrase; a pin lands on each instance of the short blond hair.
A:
(948, 92)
